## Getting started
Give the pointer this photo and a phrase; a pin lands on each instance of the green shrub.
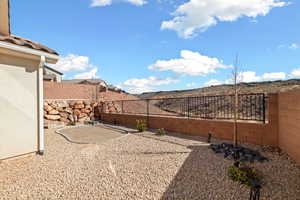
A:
(161, 132)
(244, 174)
(141, 125)
(71, 124)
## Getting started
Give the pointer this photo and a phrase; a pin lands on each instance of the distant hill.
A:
(254, 87)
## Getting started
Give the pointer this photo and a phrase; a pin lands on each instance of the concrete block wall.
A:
(54, 90)
(257, 133)
(289, 123)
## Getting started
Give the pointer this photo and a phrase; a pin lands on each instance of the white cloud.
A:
(294, 46)
(250, 76)
(190, 63)
(274, 75)
(87, 75)
(72, 62)
(197, 15)
(137, 2)
(145, 84)
(191, 85)
(96, 3)
(295, 72)
(213, 82)
(101, 3)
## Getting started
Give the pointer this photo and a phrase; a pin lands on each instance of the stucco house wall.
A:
(21, 90)
(18, 105)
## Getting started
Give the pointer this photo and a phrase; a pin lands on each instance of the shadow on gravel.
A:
(197, 178)
(194, 179)
(165, 153)
(160, 140)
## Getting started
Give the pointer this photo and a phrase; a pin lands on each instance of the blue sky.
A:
(151, 45)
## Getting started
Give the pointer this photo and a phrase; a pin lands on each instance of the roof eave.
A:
(50, 58)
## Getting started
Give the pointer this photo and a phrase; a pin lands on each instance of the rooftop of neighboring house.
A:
(86, 81)
(49, 76)
(53, 70)
(114, 88)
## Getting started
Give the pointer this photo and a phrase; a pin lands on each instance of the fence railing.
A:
(251, 107)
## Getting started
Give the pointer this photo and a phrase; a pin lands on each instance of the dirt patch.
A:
(91, 134)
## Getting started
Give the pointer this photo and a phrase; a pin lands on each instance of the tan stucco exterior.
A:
(21, 90)
(18, 106)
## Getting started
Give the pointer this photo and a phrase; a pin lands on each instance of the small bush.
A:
(141, 125)
(71, 124)
(161, 132)
(244, 174)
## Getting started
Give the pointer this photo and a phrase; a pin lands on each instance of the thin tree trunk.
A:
(235, 132)
(236, 103)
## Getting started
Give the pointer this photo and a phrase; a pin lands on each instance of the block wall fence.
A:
(282, 129)
(69, 91)
(289, 123)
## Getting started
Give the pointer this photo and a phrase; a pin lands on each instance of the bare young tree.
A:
(237, 79)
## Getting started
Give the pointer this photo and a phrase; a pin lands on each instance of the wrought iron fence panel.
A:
(250, 107)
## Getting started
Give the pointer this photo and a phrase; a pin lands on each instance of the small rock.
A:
(48, 108)
(64, 115)
(52, 117)
(79, 106)
(53, 112)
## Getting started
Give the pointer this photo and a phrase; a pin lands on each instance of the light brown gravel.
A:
(140, 166)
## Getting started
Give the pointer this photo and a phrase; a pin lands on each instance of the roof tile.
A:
(17, 40)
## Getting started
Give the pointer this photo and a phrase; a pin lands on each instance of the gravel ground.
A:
(139, 166)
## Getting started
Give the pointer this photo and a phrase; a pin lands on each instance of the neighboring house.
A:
(21, 86)
(115, 89)
(52, 75)
(102, 85)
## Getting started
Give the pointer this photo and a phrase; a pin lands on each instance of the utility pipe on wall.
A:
(41, 134)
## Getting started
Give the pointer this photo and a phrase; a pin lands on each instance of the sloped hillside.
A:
(255, 87)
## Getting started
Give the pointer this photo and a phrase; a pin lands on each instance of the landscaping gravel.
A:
(139, 166)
